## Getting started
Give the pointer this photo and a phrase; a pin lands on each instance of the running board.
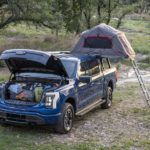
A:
(89, 107)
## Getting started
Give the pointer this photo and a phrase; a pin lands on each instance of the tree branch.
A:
(26, 19)
(3, 2)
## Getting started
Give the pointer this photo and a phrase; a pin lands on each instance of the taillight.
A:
(116, 75)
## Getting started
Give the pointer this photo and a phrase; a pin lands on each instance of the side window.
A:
(84, 69)
(89, 68)
(105, 64)
(93, 66)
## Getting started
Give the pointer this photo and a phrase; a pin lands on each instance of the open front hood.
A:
(23, 60)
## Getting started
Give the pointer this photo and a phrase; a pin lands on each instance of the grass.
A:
(146, 60)
(143, 114)
(139, 26)
(43, 43)
(126, 62)
(140, 42)
(30, 37)
(127, 92)
(144, 66)
(25, 137)
(4, 74)
(22, 30)
(138, 33)
(145, 63)
(31, 140)
(131, 143)
(4, 78)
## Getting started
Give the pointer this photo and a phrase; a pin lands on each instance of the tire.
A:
(108, 103)
(65, 122)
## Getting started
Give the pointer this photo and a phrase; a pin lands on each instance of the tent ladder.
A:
(141, 82)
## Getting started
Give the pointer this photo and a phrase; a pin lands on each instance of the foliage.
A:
(31, 37)
(14, 11)
(71, 15)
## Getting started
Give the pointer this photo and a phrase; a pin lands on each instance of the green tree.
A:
(71, 15)
(15, 11)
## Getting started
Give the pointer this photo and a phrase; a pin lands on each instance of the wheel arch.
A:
(72, 101)
(110, 84)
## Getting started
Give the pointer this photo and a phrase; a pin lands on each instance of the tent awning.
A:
(105, 41)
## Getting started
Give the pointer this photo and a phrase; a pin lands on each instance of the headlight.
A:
(51, 99)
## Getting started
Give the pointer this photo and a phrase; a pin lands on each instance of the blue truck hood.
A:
(24, 60)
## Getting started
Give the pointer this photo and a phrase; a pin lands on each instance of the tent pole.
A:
(141, 82)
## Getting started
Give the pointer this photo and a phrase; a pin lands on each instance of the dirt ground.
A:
(108, 126)
(111, 125)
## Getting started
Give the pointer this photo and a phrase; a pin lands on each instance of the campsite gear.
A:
(38, 92)
(106, 41)
(25, 95)
(14, 89)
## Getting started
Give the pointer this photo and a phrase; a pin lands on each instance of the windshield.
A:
(70, 67)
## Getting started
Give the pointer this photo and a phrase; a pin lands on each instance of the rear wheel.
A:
(108, 103)
(65, 122)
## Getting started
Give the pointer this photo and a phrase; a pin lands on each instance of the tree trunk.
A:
(120, 20)
(88, 20)
(109, 12)
(99, 13)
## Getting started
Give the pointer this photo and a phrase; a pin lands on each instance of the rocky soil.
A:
(107, 126)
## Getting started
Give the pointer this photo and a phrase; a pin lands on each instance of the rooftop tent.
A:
(105, 41)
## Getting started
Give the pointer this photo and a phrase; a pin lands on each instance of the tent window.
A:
(98, 42)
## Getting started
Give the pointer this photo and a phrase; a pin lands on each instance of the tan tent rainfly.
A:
(105, 41)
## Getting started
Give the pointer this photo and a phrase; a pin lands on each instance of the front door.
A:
(91, 92)
(83, 89)
(97, 80)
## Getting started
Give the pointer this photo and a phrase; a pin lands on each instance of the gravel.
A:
(106, 126)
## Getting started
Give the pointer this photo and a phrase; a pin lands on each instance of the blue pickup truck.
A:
(47, 88)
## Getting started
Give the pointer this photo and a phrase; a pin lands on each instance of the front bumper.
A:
(18, 117)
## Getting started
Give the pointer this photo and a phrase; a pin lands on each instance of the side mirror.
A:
(85, 79)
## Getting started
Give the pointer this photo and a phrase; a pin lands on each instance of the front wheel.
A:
(108, 103)
(65, 122)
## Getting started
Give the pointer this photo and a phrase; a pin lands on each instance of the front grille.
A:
(19, 118)
(19, 102)
(15, 117)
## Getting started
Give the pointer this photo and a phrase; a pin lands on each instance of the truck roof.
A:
(60, 54)
(69, 56)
